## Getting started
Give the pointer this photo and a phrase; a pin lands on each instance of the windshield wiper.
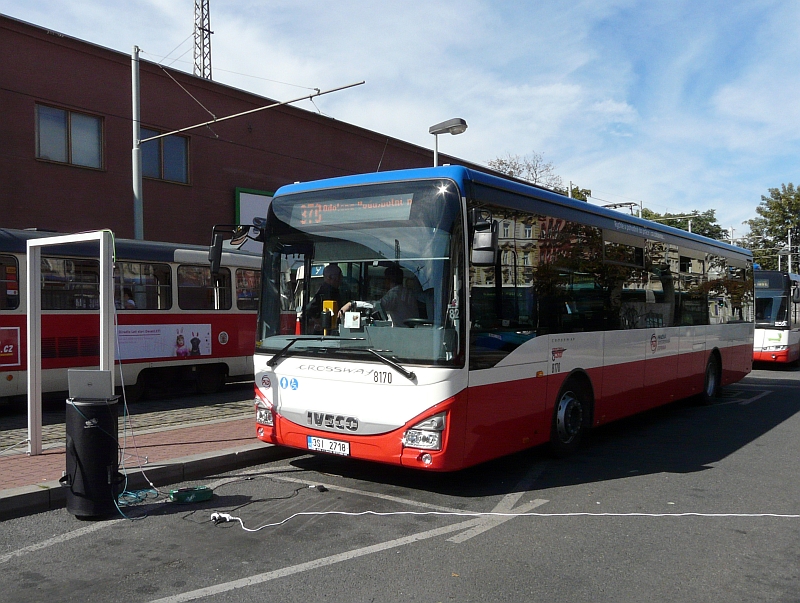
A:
(285, 350)
(407, 374)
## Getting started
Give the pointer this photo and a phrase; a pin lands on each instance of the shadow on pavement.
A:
(682, 437)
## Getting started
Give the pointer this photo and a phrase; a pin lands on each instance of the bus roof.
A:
(466, 178)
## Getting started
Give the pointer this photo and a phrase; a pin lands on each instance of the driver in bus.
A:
(329, 290)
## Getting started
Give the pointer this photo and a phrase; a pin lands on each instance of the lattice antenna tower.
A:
(202, 39)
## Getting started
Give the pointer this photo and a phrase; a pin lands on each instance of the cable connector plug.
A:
(219, 518)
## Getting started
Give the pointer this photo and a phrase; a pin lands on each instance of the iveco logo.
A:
(321, 419)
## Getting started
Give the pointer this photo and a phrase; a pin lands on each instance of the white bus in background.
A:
(777, 332)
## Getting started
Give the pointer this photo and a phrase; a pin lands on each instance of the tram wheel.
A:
(136, 391)
(570, 418)
(210, 378)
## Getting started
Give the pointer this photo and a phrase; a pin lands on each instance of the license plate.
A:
(326, 445)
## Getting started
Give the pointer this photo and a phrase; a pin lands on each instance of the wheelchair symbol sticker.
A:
(290, 383)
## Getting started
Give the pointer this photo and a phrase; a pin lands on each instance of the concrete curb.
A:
(28, 500)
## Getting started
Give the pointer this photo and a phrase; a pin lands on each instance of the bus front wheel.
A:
(570, 417)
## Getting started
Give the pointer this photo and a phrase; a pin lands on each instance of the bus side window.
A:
(9, 283)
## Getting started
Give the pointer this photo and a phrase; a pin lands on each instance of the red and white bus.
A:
(777, 334)
(534, 317)
(175, 323)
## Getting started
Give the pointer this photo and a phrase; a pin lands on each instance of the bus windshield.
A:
(771, 307)
(772, 299)
(375, 268)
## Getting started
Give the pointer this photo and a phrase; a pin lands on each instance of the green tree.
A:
(582, 194)
(703, 223)
(778, 214)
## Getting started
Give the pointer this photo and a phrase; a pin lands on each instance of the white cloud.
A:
(685, 105)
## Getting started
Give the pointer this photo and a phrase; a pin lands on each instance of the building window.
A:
(69, 137)
(165, 158)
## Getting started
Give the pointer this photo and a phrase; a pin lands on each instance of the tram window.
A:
(248, 287)
(148, 286)
(9, 283)
(70, 284)
(198, 290)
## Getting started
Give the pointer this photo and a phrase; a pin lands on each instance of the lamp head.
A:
(452, 126)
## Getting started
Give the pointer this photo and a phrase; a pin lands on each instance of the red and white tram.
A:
(175, 321)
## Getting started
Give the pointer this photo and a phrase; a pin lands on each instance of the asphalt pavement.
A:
(161, 442)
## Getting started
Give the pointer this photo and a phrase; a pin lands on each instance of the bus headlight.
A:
(427, 434)
(264, 413)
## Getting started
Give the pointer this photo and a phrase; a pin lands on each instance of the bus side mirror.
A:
(484, 241)
(796, 294)
(215, 253)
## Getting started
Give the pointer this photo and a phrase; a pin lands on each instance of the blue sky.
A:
(682, 105)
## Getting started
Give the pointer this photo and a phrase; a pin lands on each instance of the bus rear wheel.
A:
(712, 382)
(570, 417)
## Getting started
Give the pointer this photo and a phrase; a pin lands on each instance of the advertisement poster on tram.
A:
(137, 342)
(9, 346)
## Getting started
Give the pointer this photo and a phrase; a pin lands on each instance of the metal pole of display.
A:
(34, 350)
(34, 359)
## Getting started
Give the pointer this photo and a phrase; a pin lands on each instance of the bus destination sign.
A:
(381, 208)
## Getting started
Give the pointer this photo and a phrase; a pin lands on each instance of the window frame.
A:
(6, 262)
(146, 132)
(148, 288)
(70, 284)
(247, 297)
(69, 138)
(221, 282)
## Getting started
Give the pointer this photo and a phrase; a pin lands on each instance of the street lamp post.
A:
(452, 126)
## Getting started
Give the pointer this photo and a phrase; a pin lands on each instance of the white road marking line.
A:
(507, 503)
(754, 398)
(58, 539)
(741, 402)
(315, 564)
(482, 524)
(492, 522)
(389, 497)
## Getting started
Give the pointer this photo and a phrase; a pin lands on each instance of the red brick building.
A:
(66, 132)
